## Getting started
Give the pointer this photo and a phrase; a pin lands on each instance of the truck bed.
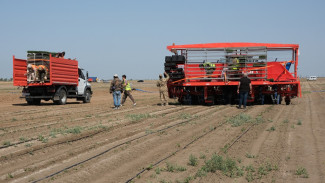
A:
(61, 72)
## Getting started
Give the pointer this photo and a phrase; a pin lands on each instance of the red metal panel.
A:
(278, 72)
(19, 71)
(232, 45)
(63, 71)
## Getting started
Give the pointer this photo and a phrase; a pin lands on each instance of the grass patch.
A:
(6, 143)
(302, 172)
(186, 116)
(271, 129)
(22, 139)
(42, 139)
(174, 168)
(193, 161)
(227, 166)
(239, 119)
(158, 170)
(299, 122)
(286, 121)
(250, 155)
(139, 117)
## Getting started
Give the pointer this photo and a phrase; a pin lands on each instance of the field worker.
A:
(31, 73)
(41, 73)
(244, 87)
(127, 90)
(162, 85)
(209, 67)
(116, 88)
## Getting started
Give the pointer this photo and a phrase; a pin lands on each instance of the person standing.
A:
(244, 86)
(127, 91)
(162, 85)
(116, 88)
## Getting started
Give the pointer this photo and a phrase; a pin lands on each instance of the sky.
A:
(130, 37)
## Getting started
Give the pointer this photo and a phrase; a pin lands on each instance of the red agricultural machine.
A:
(209, 73)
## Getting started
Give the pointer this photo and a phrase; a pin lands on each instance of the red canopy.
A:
(232, 45)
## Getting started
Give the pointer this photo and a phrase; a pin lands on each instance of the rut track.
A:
(102, 144)
(218, 126)
(77, 121)
(138, 136)
(58, 116)
(161, 111)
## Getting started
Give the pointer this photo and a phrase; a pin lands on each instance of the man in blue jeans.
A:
(116, 88)
(244, 87)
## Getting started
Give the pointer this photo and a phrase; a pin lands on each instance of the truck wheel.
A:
(37, 101)
(87, 97)
(63, 97)
(30, 101)
(34, 101)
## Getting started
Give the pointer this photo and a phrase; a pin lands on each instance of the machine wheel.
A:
(287, 100)
(87, 97)
(63, 97)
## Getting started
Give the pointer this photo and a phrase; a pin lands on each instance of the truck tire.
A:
(63, 97)
(34, 101)
(87, 97)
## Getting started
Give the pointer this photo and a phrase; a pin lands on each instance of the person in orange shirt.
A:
(41, 73)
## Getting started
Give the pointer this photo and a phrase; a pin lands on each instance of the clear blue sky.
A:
(130, 37)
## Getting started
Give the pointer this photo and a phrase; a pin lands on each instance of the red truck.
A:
(210, 73)
(64, 79)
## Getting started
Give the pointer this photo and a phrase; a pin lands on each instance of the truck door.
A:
(19, 71)
(82, 82)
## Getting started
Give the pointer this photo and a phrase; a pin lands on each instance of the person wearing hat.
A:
(244, 86)
(116, 88)
(31, 73)
(162, 85)
(41, 73)
(127, 91)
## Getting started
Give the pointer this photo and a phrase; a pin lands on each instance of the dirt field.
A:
(150, 143)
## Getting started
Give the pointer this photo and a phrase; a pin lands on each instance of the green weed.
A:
(301, 171)
(158, 170)
(299, 122)
(174, 168)
(226, 165)
(139, 117)
(239, 119)
(6, 143)
(271, 129)
(193, 161)
(250, 155)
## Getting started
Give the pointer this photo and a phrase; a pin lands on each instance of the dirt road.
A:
(151, 143)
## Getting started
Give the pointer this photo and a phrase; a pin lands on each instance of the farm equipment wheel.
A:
(87, 97)
(287, 100)
(62, 97)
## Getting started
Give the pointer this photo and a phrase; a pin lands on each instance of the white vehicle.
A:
(311, 78)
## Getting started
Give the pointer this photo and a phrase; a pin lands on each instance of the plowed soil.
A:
(93, 142)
